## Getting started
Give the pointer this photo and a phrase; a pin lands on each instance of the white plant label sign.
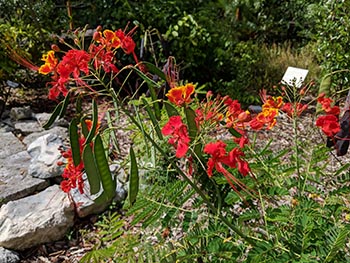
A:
(294, 76)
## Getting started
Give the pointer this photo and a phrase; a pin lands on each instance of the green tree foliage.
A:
(332, 25)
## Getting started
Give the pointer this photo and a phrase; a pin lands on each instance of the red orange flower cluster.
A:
(72, 174)
(236, 117)
(220, 157)
(179, 135)
(329, 123)
(75, 64)
(268, 114)
(211, 111)
(181, 95)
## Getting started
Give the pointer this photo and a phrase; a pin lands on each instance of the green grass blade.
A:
(74, 141)
(91, 170)
(134, 177)
(153, 118)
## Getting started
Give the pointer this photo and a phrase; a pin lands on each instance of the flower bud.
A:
(99, 28)
(76, 41)
(55, 48)
(97, 36)
(243, 116)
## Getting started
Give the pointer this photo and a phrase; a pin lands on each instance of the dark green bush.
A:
(216, 43)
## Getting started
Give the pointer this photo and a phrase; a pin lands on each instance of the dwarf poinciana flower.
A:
(268, 114)
(74, 62)
(108, 39)
(179, 135)
(58, 87)
(236, 117)
(291, 108)
(266, 117)
(103, 58)
(326, 105)
(73, 175)
(220, 157)
(50, 63)
(273, 102)
(329, 124)
(209, 111)
(181, 95)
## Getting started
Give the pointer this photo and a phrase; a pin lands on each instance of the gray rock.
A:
(59, 131)
(6, 126)
(9, 145)
(120, 194)
(21, 113)
(28, 126)
(15, 182)
(45, 155)
(85, 202)
(8, 256)
(44, 217)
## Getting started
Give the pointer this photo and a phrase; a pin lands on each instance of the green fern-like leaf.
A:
(336, 238)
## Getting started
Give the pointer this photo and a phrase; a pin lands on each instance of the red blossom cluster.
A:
(73, 174)
(77, 63)
(213, 112)
(179, 135)
(329, 123)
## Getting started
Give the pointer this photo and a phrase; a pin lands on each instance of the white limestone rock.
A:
(45, 155)
(8, 256)
(33, 220)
